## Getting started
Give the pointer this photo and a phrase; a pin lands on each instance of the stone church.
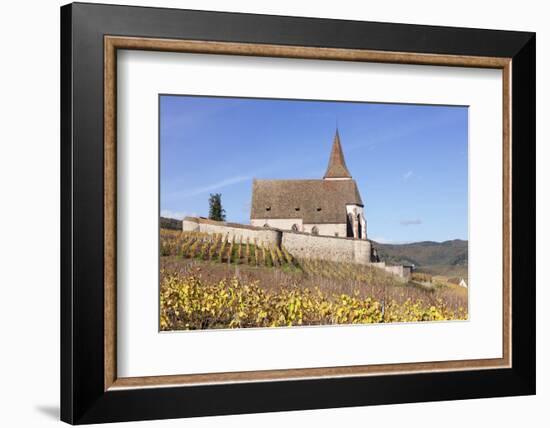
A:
(330, 206)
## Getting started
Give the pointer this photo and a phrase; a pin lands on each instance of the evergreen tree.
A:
(216, 211)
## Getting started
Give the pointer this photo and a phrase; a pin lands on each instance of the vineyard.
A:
(208, 281)
(219, 248)
(189, 303)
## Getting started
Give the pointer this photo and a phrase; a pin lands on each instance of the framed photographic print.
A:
(265, 213)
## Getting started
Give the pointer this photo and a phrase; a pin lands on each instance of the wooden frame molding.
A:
(113, 43)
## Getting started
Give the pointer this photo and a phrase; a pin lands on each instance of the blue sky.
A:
(410, 161)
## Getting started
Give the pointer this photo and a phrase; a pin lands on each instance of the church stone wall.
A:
(346, 250)
(278, 223)
(299, 244)
(262, 235)
(328, 229)
(359, 224)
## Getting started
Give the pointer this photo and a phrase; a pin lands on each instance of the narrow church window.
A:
(294, 227)
(315, 230)
(349, 226)
(359, 234)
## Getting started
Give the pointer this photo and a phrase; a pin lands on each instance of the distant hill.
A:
(442, 258)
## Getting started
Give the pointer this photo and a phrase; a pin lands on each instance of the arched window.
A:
(294, 227)
(349, 226)
(359, 231)
(315, 230)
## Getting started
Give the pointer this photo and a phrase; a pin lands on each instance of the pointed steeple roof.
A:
(337, 165)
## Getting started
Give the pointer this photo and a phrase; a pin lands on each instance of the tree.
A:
(216, 211)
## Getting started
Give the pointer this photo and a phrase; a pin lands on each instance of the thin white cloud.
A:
(214, 186)
(178, 215)
(407, 175)
(399, 133)
(410, 222)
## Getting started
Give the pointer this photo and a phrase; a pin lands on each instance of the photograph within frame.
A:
(304, 256)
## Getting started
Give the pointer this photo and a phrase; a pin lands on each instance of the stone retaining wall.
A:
(398, 270)
(348, 250)
(299, 244)
(261, 235)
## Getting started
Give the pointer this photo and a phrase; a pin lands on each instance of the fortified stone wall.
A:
(299, 244)
(346, 250)
(398, 270)
(262, 235)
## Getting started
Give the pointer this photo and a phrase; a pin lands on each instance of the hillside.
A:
(449, 258)
(443, 258)
(209, 281)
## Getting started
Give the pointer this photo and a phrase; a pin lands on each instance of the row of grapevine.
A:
(218, 247)
(341, 270)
